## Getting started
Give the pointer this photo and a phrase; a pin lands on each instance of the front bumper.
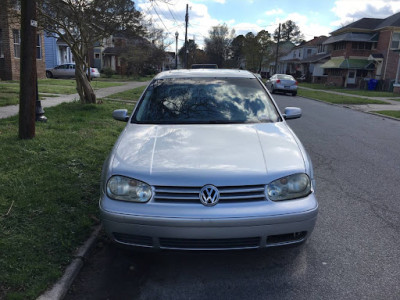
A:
(212, 233)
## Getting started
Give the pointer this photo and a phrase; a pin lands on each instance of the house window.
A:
(361, 46)
(321, 48)
(395, 40)
(38, 47)
(362, 73)
(1, 44)
(17, 43)
(97, 55)
(336, 72)
(339, 46)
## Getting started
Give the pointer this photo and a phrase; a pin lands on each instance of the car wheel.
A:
(294, 93)
(49, 74)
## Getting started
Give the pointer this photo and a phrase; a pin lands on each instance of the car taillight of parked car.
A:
(278, 81)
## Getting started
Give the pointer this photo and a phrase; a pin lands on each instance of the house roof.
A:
(112, 51)
(392, 21)
(348, 63)
(371, 24)
(291, 60)
(352, 36)
(316, 58)
(317, 40)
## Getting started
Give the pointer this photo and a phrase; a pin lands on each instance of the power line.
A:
(159, 17)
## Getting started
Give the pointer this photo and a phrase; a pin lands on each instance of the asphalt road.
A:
(354, 252)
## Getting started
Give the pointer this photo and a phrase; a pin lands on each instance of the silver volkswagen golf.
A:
(207, 162)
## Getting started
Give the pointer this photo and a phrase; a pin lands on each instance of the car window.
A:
(205, 100)
(285, 77)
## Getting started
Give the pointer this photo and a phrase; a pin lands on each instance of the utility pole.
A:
(28, 75)
(176, 51)
(186, 26)
(277, 49)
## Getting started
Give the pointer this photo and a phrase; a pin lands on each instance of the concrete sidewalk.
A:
(12, 110)
(391, 104)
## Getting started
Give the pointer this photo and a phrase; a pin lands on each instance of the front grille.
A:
(227, 194)
(210, 244)
(286, 238)
(138, 240)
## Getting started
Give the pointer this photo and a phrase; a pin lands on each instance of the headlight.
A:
(128, 189)
(289, 187)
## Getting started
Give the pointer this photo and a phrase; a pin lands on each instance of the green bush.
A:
(108, 72)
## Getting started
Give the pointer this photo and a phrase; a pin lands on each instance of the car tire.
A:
(49, 74)
(294, 94)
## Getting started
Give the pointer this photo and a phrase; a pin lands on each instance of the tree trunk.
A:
(83, 86)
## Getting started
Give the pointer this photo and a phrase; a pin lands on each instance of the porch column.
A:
(396, 85)
(397, 72)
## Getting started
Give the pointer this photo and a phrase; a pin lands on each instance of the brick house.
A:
(365, 49)
(10, 47)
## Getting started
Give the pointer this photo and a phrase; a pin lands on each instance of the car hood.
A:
(195, 155)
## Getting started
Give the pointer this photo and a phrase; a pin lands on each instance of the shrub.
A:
(108, 72)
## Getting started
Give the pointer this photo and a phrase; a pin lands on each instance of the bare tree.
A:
(82, 23)
(140, 57)
(217, 46)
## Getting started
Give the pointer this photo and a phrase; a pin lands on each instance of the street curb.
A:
(349, 107)
(61, 287)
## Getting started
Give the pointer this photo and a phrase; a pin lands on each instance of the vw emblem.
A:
(209, 195)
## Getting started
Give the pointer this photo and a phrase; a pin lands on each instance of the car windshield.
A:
(205, 101)
(285, 77)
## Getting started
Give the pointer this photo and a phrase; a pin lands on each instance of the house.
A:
(365, 49)
(316, 73)
(284, 49)
(10, 47)
(302, 59)
(131, 55)
(57, 51)
(111, 50)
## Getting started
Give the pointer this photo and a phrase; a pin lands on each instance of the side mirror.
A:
(121, 115)
(292, 113)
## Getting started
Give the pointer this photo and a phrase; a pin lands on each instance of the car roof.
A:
(206, 73)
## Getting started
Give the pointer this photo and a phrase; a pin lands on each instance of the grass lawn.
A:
(390, 113)
(125, 78)
(130, 95)
(358, 92)
(49, 192)
(9, 91)
(338, 99)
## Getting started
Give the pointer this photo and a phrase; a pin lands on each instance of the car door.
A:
(60, 71)
(71, 70)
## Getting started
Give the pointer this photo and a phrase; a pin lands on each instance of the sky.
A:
(314, 17)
